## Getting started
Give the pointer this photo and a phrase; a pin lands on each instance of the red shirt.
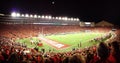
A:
(112, 59)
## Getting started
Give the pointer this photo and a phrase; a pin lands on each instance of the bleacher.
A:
(27, 30)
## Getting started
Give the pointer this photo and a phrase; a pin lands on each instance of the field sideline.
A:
(73, 40)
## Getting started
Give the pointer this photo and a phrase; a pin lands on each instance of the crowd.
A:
(12, 52)
(21, 30)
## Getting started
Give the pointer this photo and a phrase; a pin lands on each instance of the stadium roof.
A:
(104, 23)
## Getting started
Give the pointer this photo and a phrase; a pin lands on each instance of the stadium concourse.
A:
(15, 52)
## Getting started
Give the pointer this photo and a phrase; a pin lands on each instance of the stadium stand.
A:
(14, 52)
(21, 30)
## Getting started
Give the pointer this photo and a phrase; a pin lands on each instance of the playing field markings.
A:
(55, 44)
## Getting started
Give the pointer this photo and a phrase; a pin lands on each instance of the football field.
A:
(63, 42)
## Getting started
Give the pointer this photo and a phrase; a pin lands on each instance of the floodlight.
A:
(49, 17)
(35, 16)
(13, 14)
(22, 15)
(43, 16)
(56, 18)
(59, 18)
(65, 18)
(77, 19)
(71, 19)
(46, 17)
(31, 16)
(26, 15)
(39, 16)
(18, 14)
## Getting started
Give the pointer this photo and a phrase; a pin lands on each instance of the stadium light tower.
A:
(13, 14)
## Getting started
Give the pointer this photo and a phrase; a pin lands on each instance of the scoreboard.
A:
(87, 24)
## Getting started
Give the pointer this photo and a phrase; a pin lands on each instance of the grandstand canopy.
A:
(104, 23)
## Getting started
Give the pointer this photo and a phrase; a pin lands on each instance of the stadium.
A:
(53, 37)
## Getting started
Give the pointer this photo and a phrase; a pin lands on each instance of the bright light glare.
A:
(39, 16)
(87, 23)
(56, 18)
(46, 17)
(71, 19)
(59, 18)
(35, 16)
(77, 19)
(31, 15)
(22, 15)
(65, 18)
(49, 17)
(13, 14)
(18, 14)
(43, 16)
(26, 15)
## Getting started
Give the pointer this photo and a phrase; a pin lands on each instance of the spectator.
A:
(75, 59)
(115, 52)
(103, 53)
(1, 57)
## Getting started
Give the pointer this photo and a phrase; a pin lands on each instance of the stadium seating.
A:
(21, 30)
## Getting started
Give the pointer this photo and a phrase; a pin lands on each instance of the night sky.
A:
(86, 10)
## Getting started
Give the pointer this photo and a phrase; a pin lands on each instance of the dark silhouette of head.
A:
(75, 59)
(103, 51)
(116, 50)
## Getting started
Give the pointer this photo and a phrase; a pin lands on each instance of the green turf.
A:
(69, 39)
